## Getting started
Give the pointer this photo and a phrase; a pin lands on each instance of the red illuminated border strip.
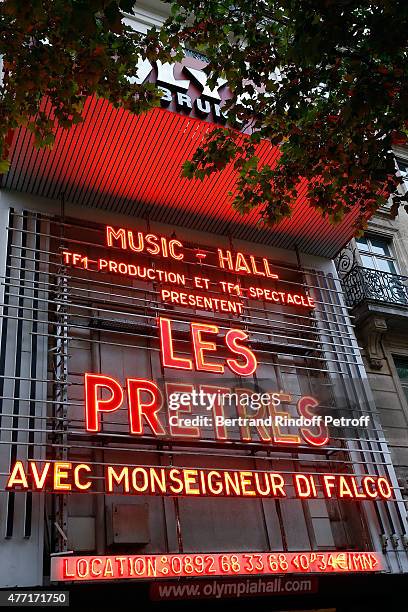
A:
(142, 567)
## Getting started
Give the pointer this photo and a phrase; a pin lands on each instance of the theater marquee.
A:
(193, 278)
(73, 568)
(222, 286)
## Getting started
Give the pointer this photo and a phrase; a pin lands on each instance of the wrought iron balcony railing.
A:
(362, 284)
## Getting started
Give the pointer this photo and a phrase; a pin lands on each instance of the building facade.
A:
(125, 287)
(374, 272)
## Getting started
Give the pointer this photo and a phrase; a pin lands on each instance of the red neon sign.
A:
(238, 262)
(95, 405)
(177, 430)
(174, 481)
(169, 360)
(149, 244)
(201, 348)
(144, 400)
(188, 298)
(165, 248)
(144, 243)
(313, 437)
(280, 297)
(146, 405)
(232, 340)
(160, 246)
(142, 567)
(203, 302)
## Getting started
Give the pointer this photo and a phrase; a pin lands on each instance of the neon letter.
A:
(250, 364)
(119, 235)
(148, 408)
(93, 405)
(167, 354)
(200, 346)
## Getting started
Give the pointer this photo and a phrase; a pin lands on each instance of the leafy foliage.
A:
(325, 80)
(56, 53)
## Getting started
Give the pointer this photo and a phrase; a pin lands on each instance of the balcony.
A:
(378, 302)
(382, 288)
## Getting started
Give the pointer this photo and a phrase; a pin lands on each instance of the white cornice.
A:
(147, 15)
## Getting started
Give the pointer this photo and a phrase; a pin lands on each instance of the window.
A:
(402, 165)
(376, 254)
(401, 363)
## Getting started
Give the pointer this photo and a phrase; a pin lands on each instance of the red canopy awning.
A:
(130, 164)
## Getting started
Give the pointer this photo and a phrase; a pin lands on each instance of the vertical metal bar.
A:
(33, 374)
(155, 287)
(395, 515)
(352, 395)
(17, 381)
(277, 501)
(60, 356)
(98, 454)
(5, 313)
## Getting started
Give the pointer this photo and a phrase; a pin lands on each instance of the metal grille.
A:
(362, 284)
(59, 321)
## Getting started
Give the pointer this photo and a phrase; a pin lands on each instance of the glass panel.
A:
(368, 262)
(362, 243)
(380, 247)
(386, 265)
(401, 363)
(403, 167)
